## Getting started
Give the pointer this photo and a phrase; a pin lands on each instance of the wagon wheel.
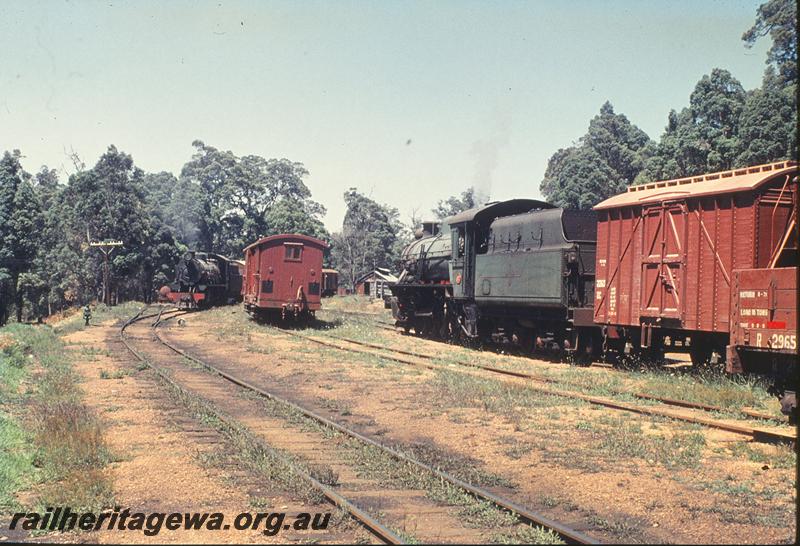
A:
(584, 349)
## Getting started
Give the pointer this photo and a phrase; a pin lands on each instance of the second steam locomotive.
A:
(705, 265)
(204, 279)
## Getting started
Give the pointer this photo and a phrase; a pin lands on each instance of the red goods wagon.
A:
(283, 274)
(667, 253)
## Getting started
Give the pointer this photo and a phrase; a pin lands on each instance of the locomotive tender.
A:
(706, 265)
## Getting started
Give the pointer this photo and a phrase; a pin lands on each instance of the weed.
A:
(260, 503)
(519, 450)
(528, 535)
(627, 440)
(549, 502)
(782, 456)
(16, 461)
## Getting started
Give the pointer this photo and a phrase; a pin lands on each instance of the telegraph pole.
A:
(106, 247)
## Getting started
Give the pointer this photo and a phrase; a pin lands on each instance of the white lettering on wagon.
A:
(783, 341)
(601, 283)
(754, 312)
(612, 301)
(752, 294)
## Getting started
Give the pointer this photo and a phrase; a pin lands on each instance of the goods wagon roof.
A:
(746, 178)
(289, 237)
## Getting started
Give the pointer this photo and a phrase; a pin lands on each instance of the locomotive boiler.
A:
(204, 279)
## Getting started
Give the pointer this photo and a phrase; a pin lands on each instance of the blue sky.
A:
(485, 91)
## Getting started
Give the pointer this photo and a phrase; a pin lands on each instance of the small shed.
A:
(376, 283)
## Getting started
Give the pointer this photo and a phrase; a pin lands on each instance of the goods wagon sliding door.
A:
(664, 241)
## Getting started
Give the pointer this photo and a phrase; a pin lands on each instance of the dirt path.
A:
(632, 478)
(164, 461)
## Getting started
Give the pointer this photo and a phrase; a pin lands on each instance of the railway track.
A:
(170, 363)
(541, 385)
(667, 401)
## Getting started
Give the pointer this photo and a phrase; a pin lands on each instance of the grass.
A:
(678, 450)
(119, 374)
(275, 465)
(361, 304)
(528, 535)
(376, 464)
(708, 387)
(51, 439)
(16, 462)
(782, 456)
(513, 402)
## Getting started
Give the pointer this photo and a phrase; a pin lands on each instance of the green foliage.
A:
(20, 224)
(221, 203)
(768, 126)
(60, 444)
(293, 216)
(369, 238)
(469, 199)
(704, 137)
(237, 199)
(778, 19)
(603, 163)
(723, 127)
(107, 202)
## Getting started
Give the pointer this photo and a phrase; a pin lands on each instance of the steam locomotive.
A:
(203, 280)
(519, 271)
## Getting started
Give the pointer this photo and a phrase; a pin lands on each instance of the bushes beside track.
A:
(52, 443)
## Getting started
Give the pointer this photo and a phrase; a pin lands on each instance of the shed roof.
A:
(736, 180)
(380, 273)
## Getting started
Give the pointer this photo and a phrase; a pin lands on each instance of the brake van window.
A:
(293, 253)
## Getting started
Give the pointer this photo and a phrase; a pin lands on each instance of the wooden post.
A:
(106, 247)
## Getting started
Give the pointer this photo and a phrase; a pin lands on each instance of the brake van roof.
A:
(746, 178)
(288, 238)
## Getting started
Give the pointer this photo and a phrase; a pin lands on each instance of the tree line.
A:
(723, 127)
(219, 203)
